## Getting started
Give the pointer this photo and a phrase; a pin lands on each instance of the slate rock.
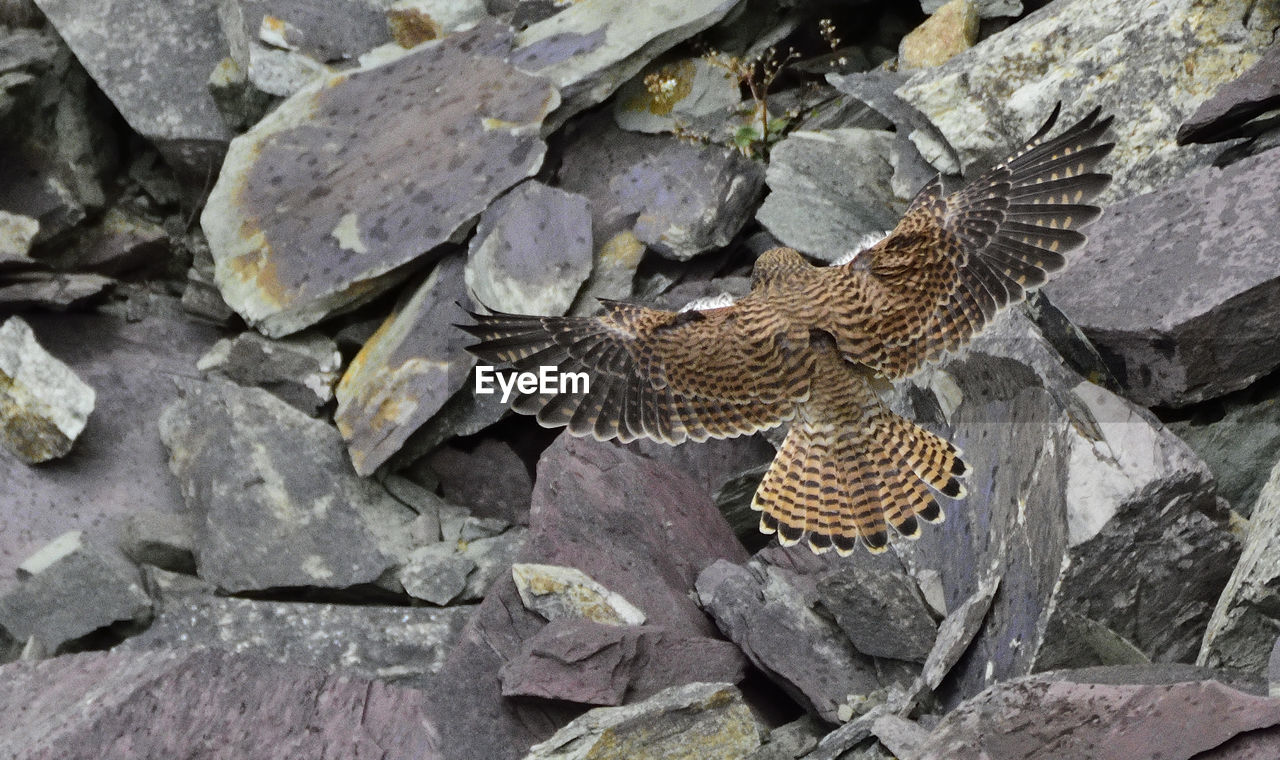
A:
(118, 466)
(301, 369)
(413, 22)
(1169, 344)
(1220, 117)
(883, 614)
(456, 570)
(704, 720)
(54, 291)
(591, 48)
(588, 662)
(950, 30)
(790, 741)
(801, 651)
(152, 61)
(557, 593)
(1242, 631)
(986, 102)
(17, 233)
(670, 95)
(986, 8)
(505, 490)
(44, 405)
(277, 504)
(407, 371)
(161, 539)
(360, 208)
(637, 526)
(531, 252)
(119, 243)
(829, 189)
(201, 703)
(1061, 717)
(395, 644)
(72, 587)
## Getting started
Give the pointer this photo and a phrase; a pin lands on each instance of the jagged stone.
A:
(56, 291)
(72, 587)
(121, 242)
(531, 251)
(360, 209)
(790, 741)
(986, 8)
(395, 644)
(986, 100)
(1168, 344)
(704, 720)
(883, 614)
(301, 369)
(951, 30)
(201, 702)
(153, 61)
(44, 405)
(670, 95)
(830, 189)
(556, 592)
(505, 490)
(277, 504)
(407, 371)
(1221, 117)
(17, 233)
(588, 662)
(1242, 631)
(161, 539)
(591, 48)
(459, 571)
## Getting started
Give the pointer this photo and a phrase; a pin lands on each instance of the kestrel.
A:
(815, 346)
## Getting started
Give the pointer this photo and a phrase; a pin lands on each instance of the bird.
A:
(818, 346)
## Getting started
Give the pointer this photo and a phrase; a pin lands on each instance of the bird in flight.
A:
(815, 346)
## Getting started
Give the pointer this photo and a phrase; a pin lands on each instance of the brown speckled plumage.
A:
(814, 345)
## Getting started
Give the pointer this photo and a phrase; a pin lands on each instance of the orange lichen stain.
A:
(664, 88)
(410, 27)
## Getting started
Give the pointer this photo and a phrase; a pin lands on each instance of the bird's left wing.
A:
(665, 375)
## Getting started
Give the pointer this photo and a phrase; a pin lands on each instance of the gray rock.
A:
(44, 405)
(593, 663)
(801, 651)
(556, 593)
(161, 539)
(669, 96)
(56, 291)
(1075, 641)
(1220, 117)
(1273, 670)
(202, 703)
(17, 233)
(459, 571)
(1064, 717)
(72, 587)
(301, 369)
(120, 242)
(118, 466)
(361, 208)
(883, 614)
(505, 490)
(986, 8)
(413, 22)
(703, 720)
(531, 252)
(1242, 630)
(985, 100)
(637, 526)
(276, 501)
(407, 371)
(902, 737)
(394, 644)
(829, 189)
(957, 632)
(152, 61)
(790, 741)
(1169, 344)
(589, 50)
(951, 30)
(1238, 440)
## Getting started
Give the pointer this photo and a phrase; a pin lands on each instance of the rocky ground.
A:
(252, 506)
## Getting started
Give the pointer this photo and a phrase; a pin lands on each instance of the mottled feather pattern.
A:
(812, 346)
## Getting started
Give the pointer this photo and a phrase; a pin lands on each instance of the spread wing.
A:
(665, 375)
(953, 262)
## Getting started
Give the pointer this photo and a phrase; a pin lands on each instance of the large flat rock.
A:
(322, 203)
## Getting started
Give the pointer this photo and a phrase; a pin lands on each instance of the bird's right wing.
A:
(665, 375)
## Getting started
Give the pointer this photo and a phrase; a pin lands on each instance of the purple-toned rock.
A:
(407, 371)
(301, 369)
(594, 663)
(118, 467)
(1235, 103)
(1070, 715)
(202, 703)
(367, 170)
(503, 492)
(637, 527)
(531, 251)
